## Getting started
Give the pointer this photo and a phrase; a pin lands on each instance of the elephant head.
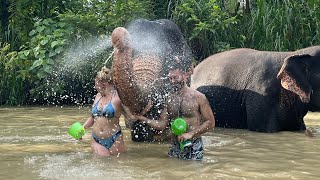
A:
(143, 53)
(301, 74)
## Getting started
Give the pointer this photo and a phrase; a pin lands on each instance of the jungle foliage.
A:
(51, 50)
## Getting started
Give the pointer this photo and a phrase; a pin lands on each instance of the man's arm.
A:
(127, 113)
(160, 124)
(208, 122)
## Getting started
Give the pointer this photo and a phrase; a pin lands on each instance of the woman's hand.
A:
(185, 136)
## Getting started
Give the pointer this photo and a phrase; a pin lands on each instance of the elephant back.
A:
(313, 51)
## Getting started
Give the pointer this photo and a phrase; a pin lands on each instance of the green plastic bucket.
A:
(179, 126)
(76, 130)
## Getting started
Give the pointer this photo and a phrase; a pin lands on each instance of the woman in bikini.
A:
(107, 138)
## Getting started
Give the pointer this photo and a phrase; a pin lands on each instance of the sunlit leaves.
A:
(44, 42)
(33, 32)
(12, 75)
(39, 29)
(36, 64)
(204, 24)
(43, 30)
(48, 38)
(48, 69)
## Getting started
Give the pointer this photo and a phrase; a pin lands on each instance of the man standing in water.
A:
(187, 103)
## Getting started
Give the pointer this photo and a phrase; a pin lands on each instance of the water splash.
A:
(72, 79)
(83, 52)
(148, 37)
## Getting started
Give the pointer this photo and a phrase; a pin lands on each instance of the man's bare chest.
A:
(182, 106)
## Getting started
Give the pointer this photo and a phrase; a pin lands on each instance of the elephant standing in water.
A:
(143, 54)
(260, 90)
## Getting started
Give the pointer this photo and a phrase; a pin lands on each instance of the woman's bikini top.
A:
(108, 111)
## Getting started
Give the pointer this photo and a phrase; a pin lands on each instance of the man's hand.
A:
(185, 136)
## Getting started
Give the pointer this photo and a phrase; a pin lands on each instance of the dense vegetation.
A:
(51, 50)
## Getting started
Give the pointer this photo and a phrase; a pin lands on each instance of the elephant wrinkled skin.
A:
(261, 90)
(143, 53)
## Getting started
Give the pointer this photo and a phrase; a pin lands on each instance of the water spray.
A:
(110, 56)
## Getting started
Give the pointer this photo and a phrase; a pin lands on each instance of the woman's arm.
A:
(160, 124)
(88, 123)
(126, 112)
(90, 120)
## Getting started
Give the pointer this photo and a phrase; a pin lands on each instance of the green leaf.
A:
(58, 50)
(52, 53)
(36, 64)
(26, 52)
(54, 43)
(36, 50)
(47, 21)
(44, 42)
(42, 54)
(48, 69)
(50, 61)
(40, 28)
(22, 55)
(38, 23)
(58, 33)
(61, 24)
(23, 74)
(33, 32)
(41, 74)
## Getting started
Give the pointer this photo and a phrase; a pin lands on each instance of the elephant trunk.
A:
(133, 77)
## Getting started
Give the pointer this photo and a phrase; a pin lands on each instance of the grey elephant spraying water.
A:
(143, 53)
(260, 90)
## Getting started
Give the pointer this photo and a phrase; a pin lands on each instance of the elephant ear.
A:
(294, 76)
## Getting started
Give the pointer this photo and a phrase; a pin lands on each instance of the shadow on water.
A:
(34, 144)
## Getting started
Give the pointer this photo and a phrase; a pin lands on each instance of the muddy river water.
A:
(34, 144)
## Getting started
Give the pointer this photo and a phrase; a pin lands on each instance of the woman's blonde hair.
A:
(104, 75)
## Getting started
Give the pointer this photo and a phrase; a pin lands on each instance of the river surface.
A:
(34, 144)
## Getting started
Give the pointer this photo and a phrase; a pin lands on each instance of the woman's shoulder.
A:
(115, 97)
(97, 96)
